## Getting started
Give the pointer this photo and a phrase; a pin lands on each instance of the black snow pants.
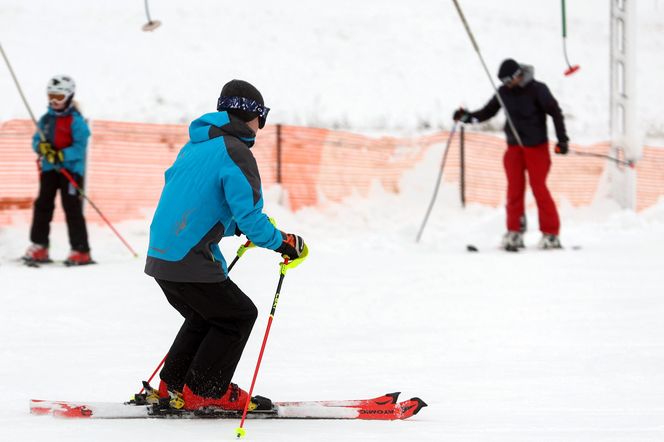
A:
(218, 318)
(49, 184)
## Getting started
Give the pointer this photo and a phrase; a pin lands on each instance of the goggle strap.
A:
(506, 80)
(242, 103)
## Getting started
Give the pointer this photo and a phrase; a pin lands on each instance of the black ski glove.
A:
(462, 115)
(562, 147)
(292, 246)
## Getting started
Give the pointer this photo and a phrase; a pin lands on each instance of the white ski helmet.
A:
(61, 84)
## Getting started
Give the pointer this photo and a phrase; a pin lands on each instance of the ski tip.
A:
(240, 432)
(409, 408)
(420, 404)
(393, 396)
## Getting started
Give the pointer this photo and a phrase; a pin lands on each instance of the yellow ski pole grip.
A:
(287, 265)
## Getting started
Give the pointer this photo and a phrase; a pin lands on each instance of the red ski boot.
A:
(77, 258)
(233, 399)
(36, 253)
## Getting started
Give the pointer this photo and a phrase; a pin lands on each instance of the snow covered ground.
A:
(535, 346)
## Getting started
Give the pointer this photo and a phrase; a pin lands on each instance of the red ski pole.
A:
(240, 431)
(284, 266)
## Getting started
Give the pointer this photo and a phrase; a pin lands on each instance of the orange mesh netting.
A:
(126, 164)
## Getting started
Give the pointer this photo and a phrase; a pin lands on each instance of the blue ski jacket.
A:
(66, 131)
(212, 189)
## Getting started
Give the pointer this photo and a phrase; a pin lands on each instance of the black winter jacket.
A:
(528, 104)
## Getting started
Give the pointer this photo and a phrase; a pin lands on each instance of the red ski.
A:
(384, 407)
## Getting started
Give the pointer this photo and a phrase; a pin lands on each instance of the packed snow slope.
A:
(364, 65)
(535, 346)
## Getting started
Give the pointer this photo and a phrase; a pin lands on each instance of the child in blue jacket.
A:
(64, 147)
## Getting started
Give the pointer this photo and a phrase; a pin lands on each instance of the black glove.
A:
(292, 246)
(562, 147)
(462, 115)
(52, 156)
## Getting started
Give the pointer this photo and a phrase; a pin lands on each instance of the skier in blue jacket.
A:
(212, 190)
(65, 146)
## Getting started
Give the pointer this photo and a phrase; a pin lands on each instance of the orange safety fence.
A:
(126, 164)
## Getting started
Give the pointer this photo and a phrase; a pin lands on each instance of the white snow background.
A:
(535, 346)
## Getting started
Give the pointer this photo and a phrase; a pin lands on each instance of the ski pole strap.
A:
(286, 265)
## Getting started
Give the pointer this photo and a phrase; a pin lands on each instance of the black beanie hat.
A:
(508, 68)
(240, 88)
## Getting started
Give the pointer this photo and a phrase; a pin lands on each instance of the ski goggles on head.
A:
(508, 80)
(245, 104)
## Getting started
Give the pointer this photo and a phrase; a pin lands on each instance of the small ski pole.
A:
(437, 186)
(627, 163)
(570, 69)
(479, 54)
(284, 266)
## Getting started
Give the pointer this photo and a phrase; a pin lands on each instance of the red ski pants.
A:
(536, 160)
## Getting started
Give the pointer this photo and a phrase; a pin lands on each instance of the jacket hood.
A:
(528, 74)
(216, 124)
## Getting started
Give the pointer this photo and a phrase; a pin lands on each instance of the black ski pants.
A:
(218, 318)
(49, 184)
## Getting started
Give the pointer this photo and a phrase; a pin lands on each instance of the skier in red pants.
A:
(528, 102)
